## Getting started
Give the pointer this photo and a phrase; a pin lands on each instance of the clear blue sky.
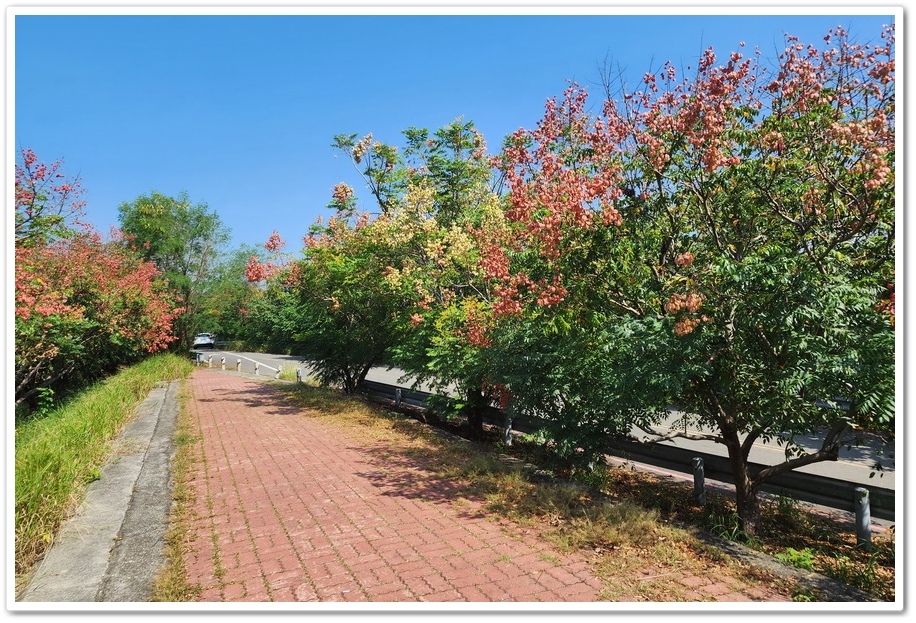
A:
(240, 111)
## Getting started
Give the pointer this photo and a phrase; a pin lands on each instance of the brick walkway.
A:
(288, 508)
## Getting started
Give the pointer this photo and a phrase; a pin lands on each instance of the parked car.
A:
(204, 340)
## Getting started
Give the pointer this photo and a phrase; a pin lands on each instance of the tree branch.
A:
(829, 451)
(660, 437)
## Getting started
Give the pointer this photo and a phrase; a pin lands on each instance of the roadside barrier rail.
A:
(812, 488)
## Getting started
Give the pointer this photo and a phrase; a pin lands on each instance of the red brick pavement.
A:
(288, 508)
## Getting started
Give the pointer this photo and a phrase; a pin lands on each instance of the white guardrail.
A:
(207, 359)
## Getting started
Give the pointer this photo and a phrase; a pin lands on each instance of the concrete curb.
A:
(113, 547)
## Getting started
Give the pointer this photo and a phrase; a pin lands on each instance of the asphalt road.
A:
(856, 463)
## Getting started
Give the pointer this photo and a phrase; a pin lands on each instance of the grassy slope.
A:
(58, 455)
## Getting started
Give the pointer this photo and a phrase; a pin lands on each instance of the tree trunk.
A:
(477, 405)
(748, 501)
(746, 488)
(349, 381)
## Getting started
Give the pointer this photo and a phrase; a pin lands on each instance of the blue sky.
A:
(239, 111)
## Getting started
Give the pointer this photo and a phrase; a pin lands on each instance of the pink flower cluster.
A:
(684, 260)
(686, 304)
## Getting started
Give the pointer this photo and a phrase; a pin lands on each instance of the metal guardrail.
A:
(394, 393)
(812, 488)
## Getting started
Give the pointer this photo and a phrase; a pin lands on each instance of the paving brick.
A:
(448, 595)
(305, 592)
(472, 593)
(365, 564)
(211, 594)
(233, 592)
(693, 581)
(411, 569)
(394, 591)
(729, 597)
(494, 591)
(307, 512)
(436, 582)
(717, 588)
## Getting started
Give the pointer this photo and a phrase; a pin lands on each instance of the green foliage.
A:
(803, 559)
(183, 240)
(453, 162)
(227, 302)
(803, 594)
(854, 573)
(729, 527)
(397, 288)
(345, 316)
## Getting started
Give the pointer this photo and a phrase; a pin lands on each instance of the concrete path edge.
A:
(111, 549)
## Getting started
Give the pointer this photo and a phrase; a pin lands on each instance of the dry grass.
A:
(171, 583)
(638, 554)
(789, 530)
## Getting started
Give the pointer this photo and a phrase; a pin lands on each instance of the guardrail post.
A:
(298, 376)
(222, 363)
(699, 480)
(397, 398)
(863, 518)
(279, 369)
(198, 357)
(209, 361)
(256, 366)
(238, 365)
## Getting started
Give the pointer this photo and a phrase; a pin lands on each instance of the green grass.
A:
(288, 373)
(58, 454)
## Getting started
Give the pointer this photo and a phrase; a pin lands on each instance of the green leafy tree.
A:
(728, 239)
(433, 196)
(371, 291)
(228, 299)
(346, 316)
(184, 241)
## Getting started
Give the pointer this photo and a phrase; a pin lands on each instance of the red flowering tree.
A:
(48, 204)
(721, 242)
(82, 306)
